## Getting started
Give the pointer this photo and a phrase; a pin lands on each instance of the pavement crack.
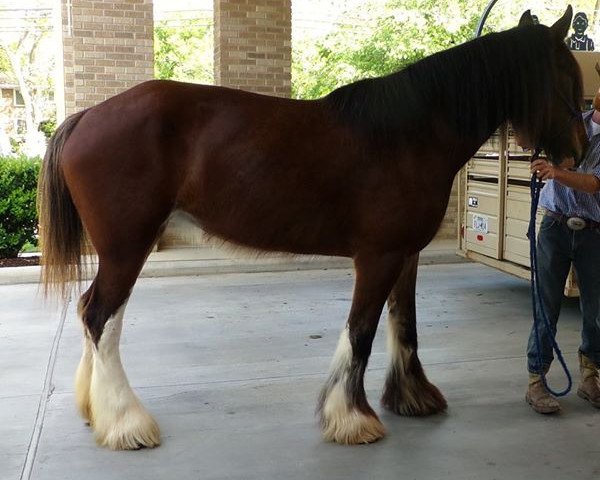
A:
(46, 393)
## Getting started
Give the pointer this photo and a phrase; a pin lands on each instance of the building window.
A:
(20, 126)
(18, 99)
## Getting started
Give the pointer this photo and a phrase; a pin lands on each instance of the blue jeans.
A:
(557, 247)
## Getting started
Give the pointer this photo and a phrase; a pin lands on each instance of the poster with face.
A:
(579, 39)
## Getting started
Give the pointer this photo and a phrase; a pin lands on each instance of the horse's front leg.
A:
(407, 390)
(345, 415)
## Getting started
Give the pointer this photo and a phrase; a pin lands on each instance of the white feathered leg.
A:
(119, 419)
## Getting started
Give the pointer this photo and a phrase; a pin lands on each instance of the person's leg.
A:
(554, 261)
(587, 268)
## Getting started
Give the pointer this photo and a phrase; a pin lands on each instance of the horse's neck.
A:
(458, 147)
(476, 120)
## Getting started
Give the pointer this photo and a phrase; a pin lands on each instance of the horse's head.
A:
(559, 129)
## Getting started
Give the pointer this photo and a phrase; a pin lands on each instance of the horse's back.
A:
(266, 172)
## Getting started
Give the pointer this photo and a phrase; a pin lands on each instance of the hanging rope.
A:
(539, 314)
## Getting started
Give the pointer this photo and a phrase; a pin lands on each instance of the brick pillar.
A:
(107, 47)
(253, 45)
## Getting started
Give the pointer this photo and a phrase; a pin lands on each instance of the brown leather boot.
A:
(538, 397)
(589, 385)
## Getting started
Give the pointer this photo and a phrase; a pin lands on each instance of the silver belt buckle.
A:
(576, 223)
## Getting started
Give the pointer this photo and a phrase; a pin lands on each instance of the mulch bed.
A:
(19, 261)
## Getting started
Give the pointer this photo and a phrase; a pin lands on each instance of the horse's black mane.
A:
(478, 84)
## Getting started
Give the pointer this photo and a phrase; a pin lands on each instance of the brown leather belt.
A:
(574, 223)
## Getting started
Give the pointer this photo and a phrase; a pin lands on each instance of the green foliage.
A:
(18, 216)
(184, 52)
(47, 127)
(387, 37)
(4, 62)
(505, 12)
(383, 36)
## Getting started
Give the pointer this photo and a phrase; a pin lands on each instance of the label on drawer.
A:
(480, 223)
(473, 202)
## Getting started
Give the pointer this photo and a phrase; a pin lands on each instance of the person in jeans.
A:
(569, 233)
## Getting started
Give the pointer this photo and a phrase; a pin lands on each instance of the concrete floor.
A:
(231, 365)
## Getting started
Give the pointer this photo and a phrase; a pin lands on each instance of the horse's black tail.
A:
(61, 232)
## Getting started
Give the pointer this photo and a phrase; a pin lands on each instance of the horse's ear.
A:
(562, 25)
(526, 19)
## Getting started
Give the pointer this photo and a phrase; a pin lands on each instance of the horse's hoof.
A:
(354, 428)
(421, 401)
(134, 430)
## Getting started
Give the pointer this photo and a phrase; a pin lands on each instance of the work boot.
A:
(589, 385)
(538, 397)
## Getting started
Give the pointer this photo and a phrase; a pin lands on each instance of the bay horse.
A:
(364, 172)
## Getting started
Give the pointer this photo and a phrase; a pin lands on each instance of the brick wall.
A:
(253, 45)
(107, 48)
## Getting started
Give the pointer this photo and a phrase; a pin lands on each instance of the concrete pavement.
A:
(231, 365)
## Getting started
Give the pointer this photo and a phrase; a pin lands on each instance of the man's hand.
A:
(543, 169)
(584, 182)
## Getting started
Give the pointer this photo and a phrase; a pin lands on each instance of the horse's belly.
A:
(285, 232)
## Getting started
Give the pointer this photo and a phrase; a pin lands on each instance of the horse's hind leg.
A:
(104, 395)
(345, 415)
(83, 377)
(407, 390)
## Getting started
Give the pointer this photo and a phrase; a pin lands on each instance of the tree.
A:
(183, 50)
(380, 37)
(4, 62)
(383, 38)
(25, 53)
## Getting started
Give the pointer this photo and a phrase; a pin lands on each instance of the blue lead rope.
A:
(539, 314)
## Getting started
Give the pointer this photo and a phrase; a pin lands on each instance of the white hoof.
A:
(352, 428)
(346, 424)
(130, 430)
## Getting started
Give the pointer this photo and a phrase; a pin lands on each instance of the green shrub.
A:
(18, 216)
